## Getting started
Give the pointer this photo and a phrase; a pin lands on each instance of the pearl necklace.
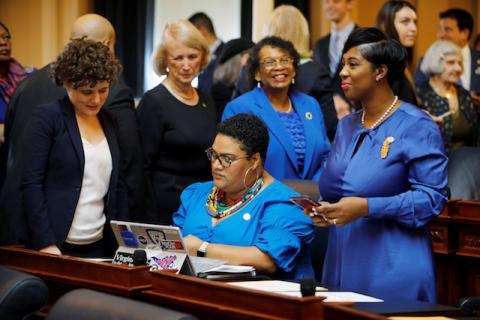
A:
(290, 107)
(380, 120)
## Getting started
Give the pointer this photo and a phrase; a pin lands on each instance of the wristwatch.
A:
(202, 250)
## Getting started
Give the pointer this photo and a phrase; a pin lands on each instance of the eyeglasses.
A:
(225, 159)
(5, 37)
(269, 63)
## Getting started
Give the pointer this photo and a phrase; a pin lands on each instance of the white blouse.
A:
(89, 218)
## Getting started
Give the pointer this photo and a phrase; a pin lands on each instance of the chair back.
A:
(21, 294)
(464, 173)
(85, 304)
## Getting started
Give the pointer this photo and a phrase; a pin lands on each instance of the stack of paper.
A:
(226, 271)
(293, 289)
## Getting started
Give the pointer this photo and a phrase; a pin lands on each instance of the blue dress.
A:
(389, 251)
(270, 221)
(282, 162)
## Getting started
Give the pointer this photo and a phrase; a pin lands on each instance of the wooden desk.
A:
(206, 299)
(456, 244)
(64, 273)
(203, 298)
(215, 300)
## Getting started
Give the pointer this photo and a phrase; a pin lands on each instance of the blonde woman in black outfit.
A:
(176, 121)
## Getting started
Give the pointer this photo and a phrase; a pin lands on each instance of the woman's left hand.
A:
(192, 243)
(344, 211)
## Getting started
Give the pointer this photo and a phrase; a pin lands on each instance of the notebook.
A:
(163, 245)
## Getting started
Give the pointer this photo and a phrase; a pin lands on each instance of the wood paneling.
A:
(40, 28)
(365, 12)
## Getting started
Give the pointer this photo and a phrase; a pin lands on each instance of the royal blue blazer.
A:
(52, 174)
(281, 160)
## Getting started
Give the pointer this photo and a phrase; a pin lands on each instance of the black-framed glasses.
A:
(269, 63)
(225, 159)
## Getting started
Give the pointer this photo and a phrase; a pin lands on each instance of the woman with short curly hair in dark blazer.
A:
(70, 181)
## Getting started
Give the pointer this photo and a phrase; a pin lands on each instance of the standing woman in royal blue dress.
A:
(385, 179)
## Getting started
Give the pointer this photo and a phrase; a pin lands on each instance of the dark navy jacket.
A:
(53, 173)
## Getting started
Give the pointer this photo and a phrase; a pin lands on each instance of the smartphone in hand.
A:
(304, 202)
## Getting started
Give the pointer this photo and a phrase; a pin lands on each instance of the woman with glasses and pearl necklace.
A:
(299, 144)
(384, 180)
(244, 215)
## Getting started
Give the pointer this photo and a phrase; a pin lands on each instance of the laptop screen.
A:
(148, 236)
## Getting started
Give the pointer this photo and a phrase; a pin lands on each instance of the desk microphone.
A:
(308, 287)
(139, 257)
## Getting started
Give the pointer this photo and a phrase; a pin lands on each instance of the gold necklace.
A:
(384, 115)
(181, 96)
(450, 94)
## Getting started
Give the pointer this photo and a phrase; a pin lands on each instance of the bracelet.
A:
(202, 250)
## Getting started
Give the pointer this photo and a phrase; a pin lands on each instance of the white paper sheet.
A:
(271, 286)
(338, 296)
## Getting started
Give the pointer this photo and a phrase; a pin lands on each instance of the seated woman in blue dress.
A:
(71, 185)
(299, 144)
(244, 215)
(385, 179)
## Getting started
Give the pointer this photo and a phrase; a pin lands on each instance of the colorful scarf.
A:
(16, 73)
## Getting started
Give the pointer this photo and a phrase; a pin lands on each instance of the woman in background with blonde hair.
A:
(176, 121)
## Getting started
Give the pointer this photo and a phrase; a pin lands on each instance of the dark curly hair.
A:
(84, 62)
(378, 49)
(249, 130)
(272, 41)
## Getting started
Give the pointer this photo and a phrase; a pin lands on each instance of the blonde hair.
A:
(288, 23)
(186, 33)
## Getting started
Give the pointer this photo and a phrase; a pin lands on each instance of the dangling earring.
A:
(245, 178)
(293, 81)
(259, 84)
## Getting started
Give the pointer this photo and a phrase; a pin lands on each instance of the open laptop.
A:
(163, 244)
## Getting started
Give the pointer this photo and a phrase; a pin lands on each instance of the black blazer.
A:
(39, 89)
(53, 171)
(314, 80)
(205, 78)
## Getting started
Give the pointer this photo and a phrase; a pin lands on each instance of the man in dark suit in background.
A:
(456, 25)
(39, 89)
(328, 50)
(204, 24)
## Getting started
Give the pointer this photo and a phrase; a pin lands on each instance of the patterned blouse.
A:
(455, 130)
(294, 126)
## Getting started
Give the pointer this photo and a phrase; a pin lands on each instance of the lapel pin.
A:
(308, 115)
(386, 147)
